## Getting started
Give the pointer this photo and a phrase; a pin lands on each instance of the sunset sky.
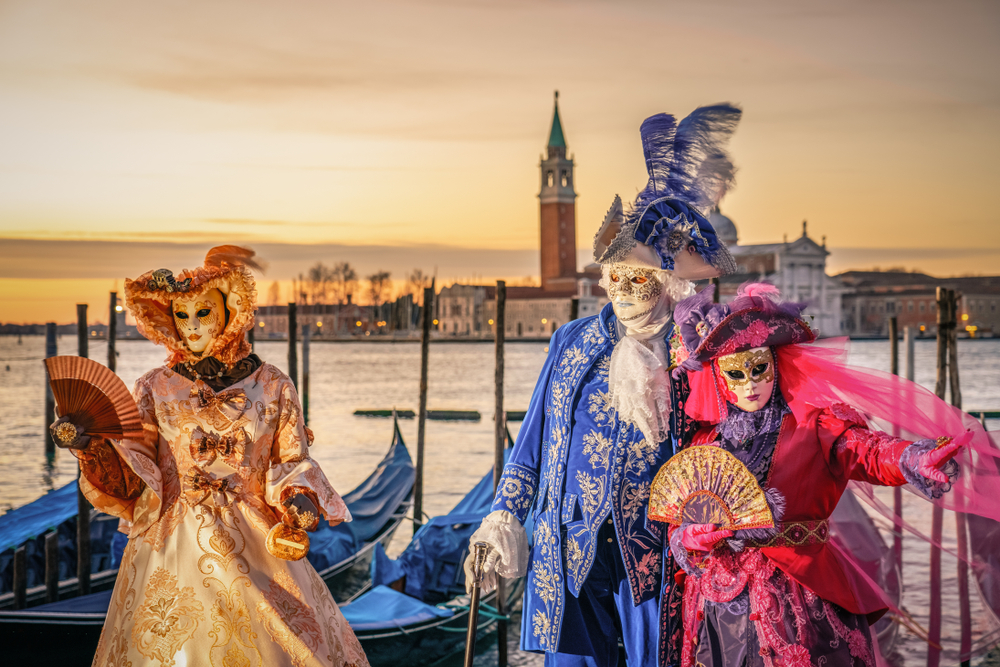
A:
(407, 135)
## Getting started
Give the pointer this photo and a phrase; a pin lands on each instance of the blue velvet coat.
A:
(574, 465)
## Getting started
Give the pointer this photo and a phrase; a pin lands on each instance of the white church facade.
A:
(797, 268)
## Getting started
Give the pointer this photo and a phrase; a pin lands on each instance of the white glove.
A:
(508, 554)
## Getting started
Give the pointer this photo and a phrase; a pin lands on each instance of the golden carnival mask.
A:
(200, 319)
(749, 376)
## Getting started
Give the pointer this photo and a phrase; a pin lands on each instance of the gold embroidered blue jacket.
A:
(578, 465)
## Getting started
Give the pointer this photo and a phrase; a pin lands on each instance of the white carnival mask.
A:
(199, 319)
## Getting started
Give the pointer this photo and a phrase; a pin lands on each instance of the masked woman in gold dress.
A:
(227, 458)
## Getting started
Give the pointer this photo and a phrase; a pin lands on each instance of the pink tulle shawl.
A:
(813, 375)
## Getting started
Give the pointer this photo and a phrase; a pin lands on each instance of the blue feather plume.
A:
(701, 171)
(657, 134)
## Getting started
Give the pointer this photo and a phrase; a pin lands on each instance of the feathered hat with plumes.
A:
(227, 269)
(755, 318)
(689, 172)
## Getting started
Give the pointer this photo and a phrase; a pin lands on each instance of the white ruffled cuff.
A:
(505, 534)
(508, 554)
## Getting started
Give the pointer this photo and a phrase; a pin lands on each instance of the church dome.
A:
(724, 228)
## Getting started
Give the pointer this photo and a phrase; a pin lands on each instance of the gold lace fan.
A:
(94, 398)
(707, 484)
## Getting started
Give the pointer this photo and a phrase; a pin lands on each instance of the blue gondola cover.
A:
(384, 608)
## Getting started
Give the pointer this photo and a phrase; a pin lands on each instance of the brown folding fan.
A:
(94, 398)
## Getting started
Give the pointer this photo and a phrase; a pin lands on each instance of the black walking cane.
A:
(481, 548)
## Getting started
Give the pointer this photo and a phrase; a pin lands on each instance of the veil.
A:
(817, 375)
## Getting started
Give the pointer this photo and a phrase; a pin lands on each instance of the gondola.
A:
(417, 612)
(66, 632)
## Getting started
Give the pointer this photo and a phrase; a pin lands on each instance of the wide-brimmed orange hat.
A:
(227, 269)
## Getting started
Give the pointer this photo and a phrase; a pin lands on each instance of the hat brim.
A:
(746, 329)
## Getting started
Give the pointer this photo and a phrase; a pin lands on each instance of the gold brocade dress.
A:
(197, 585)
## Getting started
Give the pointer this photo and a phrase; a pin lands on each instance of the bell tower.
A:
(557, 216)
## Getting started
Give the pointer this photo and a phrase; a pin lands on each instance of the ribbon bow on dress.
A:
(207, 446)
(232, 402)
(199, 486)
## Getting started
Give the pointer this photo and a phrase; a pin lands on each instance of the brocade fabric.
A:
(579, 465)
(748, 609)
(196, 584)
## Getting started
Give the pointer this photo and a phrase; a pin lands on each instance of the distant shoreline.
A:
(389, 339)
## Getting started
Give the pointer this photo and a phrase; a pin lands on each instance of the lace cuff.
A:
(909, 465)
(506, 536)
(680, 553)
(297, 476)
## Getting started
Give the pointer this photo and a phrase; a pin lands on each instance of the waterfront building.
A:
(400, 318)
(872, 297)
(797, 268)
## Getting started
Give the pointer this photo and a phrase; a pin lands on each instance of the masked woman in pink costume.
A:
(804, 425)
(226, 459)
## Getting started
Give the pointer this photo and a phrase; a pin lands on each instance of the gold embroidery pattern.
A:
(166, 619)
(231, 625)
(343, 647)
(545, 580)
(633, 498)
(574, 556)
(517, 489)
(158, 534)
(288, 620)
(796, 534)
(595, 500)
(223, 547)
(124, 598)
(547, 563)
(235, 658)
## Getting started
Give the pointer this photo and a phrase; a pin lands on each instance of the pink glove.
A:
(930, 463)
(703, 536)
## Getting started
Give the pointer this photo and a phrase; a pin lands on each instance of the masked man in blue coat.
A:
(605, 416)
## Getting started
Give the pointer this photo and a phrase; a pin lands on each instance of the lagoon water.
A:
(348, 376)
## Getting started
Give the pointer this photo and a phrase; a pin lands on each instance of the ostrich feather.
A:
(700, 171)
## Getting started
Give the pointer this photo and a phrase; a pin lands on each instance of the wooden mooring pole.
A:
(305, 373)
(911, 363)
(20, 578)
(293, 350)
(52, 566)
(82, 504)
(425, 338)
(51, 350)
(112, 331)
(961, 527)
(897, 492)
(82, 340)
(937, 516)
(500, 439)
